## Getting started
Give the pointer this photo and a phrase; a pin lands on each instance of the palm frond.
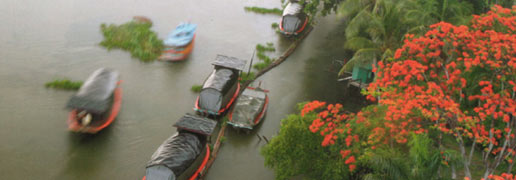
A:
(357, 43)
(357, 23)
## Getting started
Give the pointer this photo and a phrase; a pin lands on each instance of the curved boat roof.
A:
(182, 35)
(293, 8)
(220, 80)
(94, 95)
(178, 152)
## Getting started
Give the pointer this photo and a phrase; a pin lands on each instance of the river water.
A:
(44, 40)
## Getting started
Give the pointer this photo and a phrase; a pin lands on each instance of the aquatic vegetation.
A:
(246, 76)
(265, 60)
(261, 10)
(135, 37)
(269, 47)
(65, 84)
(196, 88)
(275, 25)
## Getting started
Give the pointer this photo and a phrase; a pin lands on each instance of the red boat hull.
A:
(75, 126)
(175, 55)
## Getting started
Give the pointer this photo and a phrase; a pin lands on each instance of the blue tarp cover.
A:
(182, 35)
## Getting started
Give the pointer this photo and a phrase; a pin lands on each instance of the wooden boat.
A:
(179, 43)
(185, 154)
(250, 109)
(221, 88)
(294, 20)
(97, 103)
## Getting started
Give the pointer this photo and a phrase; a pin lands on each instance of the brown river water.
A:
(44, 40)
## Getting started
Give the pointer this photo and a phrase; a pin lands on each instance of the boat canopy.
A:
(96, 92)
(177, 154)
(218, 89)
(229, 62)
(182, 35)
(196, 124)
(248, 106)
(293, 8)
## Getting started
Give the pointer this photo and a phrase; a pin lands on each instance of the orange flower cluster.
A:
(330, 123)
(503, 176)
(311, 106)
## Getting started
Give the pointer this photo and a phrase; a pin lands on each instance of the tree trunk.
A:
(467, 172)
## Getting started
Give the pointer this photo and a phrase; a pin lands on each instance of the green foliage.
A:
(222, 139)
(297, 151)
(259, 66)
(312, 6)
(196, 88)
(269, 47)
(246, 77)
(65, 84)
(374, 29)
(422, 161)
(261, 10)
(482, 6)
(377, 28)
(265, 60)
(135, 37)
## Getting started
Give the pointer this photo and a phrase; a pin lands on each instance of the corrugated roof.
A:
(229, 62)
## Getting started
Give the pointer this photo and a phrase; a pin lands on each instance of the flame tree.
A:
(454, 81)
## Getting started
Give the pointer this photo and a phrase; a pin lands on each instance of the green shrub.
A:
(135, 37)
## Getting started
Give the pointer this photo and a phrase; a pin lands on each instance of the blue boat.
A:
(179, 43)
(182, 35)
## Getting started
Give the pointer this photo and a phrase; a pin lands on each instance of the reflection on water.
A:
(41, 41)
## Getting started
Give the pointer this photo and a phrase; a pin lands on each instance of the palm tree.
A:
(375, 31)
(428, 12)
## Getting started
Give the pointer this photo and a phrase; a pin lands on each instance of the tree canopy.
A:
(453, 89)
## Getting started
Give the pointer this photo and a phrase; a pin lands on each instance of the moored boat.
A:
(185, 154)
(294, 20)
(97, 103)
(221, 88)
(250, 109)
(179, 43)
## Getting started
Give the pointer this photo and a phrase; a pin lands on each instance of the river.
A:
(44, 40)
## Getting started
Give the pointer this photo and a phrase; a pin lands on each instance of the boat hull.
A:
(173, 54)
(75, 126)
(282, 30)
(259, 117)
